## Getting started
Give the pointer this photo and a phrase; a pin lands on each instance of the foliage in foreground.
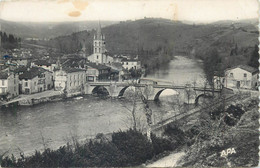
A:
(217, 133)
(129, 148)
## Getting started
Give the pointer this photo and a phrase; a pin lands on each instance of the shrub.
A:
(129, 148)
(135, 146)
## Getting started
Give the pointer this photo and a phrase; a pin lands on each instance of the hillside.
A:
(48, 29)
(177, 37)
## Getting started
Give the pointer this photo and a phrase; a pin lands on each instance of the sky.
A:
(119, 10)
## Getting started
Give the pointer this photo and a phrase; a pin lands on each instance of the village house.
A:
(21, 61)
(9, 85)
(35, 80)
(97, 72)
(45, 65)
(69, 80)
(131, 64)
(241, 76)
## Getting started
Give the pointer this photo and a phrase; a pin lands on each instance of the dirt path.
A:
(168, 161)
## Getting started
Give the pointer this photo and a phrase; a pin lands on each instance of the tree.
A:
(254, 58)
(212, 64)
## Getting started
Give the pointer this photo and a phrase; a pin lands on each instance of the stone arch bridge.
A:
(186, 93)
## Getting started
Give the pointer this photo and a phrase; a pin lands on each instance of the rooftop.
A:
(97, 66)
(71, 70)
(246, 68)
(130, 60)
(32, 73)
(42, 62)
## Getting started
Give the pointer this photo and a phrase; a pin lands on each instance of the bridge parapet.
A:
(152, 91)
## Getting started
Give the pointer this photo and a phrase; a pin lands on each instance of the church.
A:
(100, 54)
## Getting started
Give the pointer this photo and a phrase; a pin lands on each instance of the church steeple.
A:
(99, 46)
(99, 35)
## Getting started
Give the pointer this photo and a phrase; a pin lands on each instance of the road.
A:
(168, 161)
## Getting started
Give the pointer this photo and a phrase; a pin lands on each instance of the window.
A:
(3, 82)
(26, 84)
(99, 44)
(90, 78)
(248, 83)
(245, 75)
(15, 89)
(99, 50)
(126, 63)
(97, 56)
(95, 43)
(95, 50)
(231, 75)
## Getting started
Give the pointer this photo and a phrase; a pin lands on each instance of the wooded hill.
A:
(177, 37)
(233, 40)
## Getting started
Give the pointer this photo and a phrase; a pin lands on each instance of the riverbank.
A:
(36, 98)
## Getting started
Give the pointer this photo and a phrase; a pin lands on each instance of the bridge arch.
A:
(122, 91)
(157, 95)
(100, 90)
(207, 96)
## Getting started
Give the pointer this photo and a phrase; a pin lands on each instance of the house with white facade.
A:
(131, 64)
(35, 80)
(9, 85)
(241, 76)
(69, 80)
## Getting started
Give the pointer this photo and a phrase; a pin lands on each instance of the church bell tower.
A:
(99, 46)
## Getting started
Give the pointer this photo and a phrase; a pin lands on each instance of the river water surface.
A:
(25, 129)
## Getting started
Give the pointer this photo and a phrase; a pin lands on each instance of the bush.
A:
(129, 148)
(134, 145)
(161, 145)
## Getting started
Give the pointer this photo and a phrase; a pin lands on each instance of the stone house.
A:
(69, 80)
(9, 85)
(241, 76)
(35, 80)
(131, 64)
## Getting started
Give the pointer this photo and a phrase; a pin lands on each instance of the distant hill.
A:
(174, 37)
(48, 29)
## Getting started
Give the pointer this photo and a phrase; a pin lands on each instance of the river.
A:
(25, 129)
